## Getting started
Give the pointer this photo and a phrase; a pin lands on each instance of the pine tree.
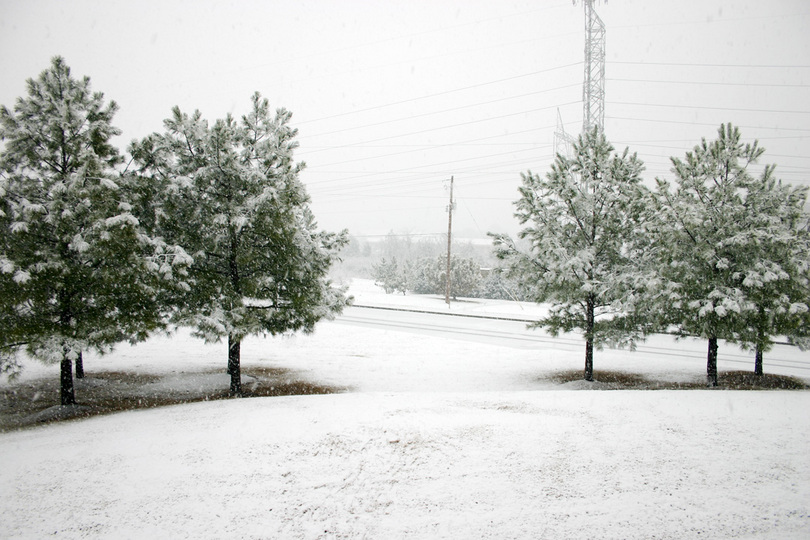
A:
(580, 220)
(495, 286)
(78, 273)
(230, 195)
(775, 265)
(425, 276)
(428, 275)
(712, 245)
(465, 275)
(389, 275)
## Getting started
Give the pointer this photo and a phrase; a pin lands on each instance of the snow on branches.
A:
(578, 221)
(79, 261)
(229, 194)
(723, 255)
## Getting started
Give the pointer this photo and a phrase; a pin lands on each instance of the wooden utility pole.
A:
(449, 240)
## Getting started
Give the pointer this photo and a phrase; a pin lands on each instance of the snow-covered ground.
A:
(440, 438)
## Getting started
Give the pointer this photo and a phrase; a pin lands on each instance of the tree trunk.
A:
(79, 367)
(711, 364)
(234, 346)
(760, 346)
(67, 395)
(589, 359)
(589, 323)
(758, 362)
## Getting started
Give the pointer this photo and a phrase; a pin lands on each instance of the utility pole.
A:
(449, 240)
(593, 88)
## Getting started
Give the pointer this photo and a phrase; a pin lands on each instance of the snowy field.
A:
(439, 437)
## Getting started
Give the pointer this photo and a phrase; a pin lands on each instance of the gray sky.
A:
(393, 97)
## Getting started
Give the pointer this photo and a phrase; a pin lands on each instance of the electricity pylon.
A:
(593, 88)
(562, 140)
(450, 208)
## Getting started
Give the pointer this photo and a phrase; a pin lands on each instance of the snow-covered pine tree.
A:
(428, 275)
(380, 272)
(389, 275)
(465, 275)
(12, 334)
(775, 267)
(579, 220)
(78, 273)
(495, 286)
(425, 275)
(230, 194)
(705, 244)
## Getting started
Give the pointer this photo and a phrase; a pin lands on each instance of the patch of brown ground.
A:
(35, 402)
(729, 380)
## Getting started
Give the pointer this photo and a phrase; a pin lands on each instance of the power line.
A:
(445, 145)
(368, 44)
(458, 125)
(410, 100)
(418, 147)
(397, 235)
(711, 21)
(695, 64)
(411, 117)
(635, 143)
(718, 83)
(445, 162)
(376, 183)
(425, 146)
(707, 108)
(703, 124)
(387, 210)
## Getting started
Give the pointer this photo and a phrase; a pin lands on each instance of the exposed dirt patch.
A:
(268, 382)
(745, 380)
(36, 402)
(730, 380)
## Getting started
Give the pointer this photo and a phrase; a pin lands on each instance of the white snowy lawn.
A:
(438, 439)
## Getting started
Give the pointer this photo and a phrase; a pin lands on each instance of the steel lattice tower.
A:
(593, 88)
(562, 140)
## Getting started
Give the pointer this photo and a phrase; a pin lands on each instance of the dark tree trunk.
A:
(234, 346)
(711, 364)
(589, 323)
(79, 367)
(589, 359)
(234, 343)
(67, 395)
(761, 340)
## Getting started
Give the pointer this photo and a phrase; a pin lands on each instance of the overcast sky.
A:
(392, 97)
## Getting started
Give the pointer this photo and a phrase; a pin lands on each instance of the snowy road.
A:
(503, 331)
(512, 332)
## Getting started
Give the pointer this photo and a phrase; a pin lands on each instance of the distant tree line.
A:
(428, 275)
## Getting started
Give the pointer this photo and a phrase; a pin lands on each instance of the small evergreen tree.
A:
(426, 275)
(495, 286)
(579, 221)
(78, 272)
(390, 276)
(230, 194)
(429, 276)
(465, 276)
(776, 260)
